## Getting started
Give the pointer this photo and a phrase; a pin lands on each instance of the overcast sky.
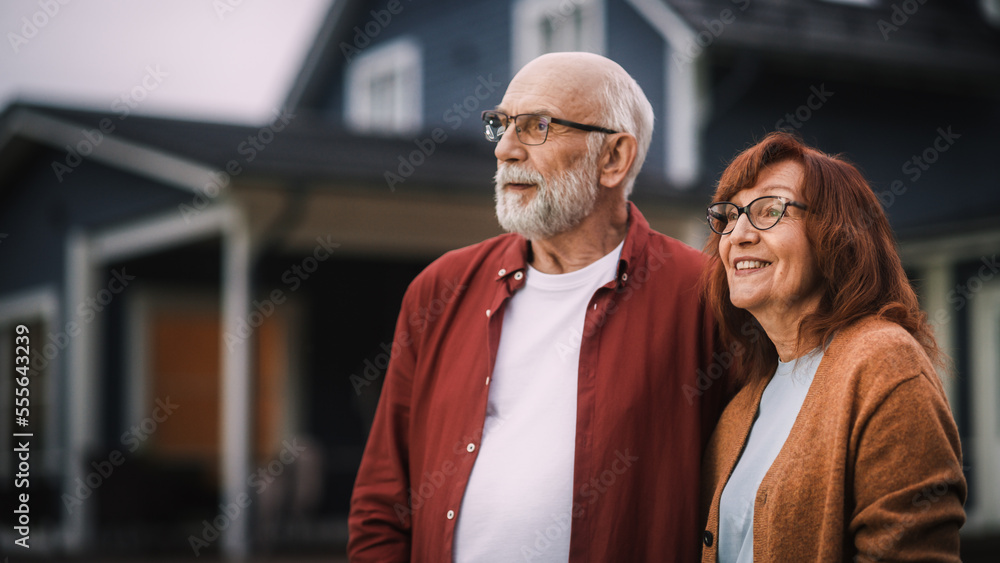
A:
(222, 60)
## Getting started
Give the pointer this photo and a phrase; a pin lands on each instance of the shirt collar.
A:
(514, 260)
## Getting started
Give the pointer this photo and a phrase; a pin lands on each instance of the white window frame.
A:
(529, 16)
(400, 59)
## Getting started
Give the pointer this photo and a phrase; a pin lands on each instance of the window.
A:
(385, 89)
(547, 26)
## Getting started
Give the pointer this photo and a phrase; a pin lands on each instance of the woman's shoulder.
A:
(875, 355)
(875, 335)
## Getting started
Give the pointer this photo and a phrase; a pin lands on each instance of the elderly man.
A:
(542, 402)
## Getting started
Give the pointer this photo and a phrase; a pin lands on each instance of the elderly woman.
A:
(840, 446)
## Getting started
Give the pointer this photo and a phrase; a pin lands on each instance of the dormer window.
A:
(385, 89)
(548, 26)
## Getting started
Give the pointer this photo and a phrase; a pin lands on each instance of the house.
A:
(210, 306)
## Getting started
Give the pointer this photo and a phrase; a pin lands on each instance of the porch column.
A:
(237, 390)
(82, 399)
(937, 275)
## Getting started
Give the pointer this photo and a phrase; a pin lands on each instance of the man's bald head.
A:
(581, 75)
(586, 88)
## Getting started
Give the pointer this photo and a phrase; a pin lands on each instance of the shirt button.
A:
(487, 380)
(488, 312)
(707, 537)
(502, 272)
(470, 448)
(451, 515)
(624, 276)
(518, 276)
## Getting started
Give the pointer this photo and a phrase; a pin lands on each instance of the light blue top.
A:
(779, 406)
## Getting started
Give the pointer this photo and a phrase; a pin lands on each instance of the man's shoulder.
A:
(463, 263)
(474, 255)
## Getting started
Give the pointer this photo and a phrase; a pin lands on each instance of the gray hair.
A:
(626, 109)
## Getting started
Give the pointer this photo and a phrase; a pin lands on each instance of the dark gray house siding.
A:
(37, 210)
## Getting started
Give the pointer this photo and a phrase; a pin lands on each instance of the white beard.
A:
(555, 208)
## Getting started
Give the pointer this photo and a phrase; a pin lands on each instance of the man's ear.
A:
(619, 154)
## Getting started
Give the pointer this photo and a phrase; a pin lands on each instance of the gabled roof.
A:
(294, 148)
(914, 36)
(940, 39)
(323, 57)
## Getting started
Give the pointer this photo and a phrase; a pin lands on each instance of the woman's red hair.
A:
(849, 234)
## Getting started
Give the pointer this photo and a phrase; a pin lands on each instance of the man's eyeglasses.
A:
(763, 213)
(531, 128)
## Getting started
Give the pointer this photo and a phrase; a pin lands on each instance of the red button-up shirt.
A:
(648, 398)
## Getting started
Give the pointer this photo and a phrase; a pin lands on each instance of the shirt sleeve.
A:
(379, 522)
(909, 488)
(718, 395)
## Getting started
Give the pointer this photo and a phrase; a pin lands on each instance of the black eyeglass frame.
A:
(556, 120)
(745, 210)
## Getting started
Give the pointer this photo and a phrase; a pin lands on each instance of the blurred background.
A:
(209, 212)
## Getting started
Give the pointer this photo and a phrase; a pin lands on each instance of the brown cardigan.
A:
(871, 470)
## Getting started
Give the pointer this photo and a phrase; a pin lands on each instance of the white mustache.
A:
(513, 174)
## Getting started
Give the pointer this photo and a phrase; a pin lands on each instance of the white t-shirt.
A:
(517, 504)
(779, 406)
